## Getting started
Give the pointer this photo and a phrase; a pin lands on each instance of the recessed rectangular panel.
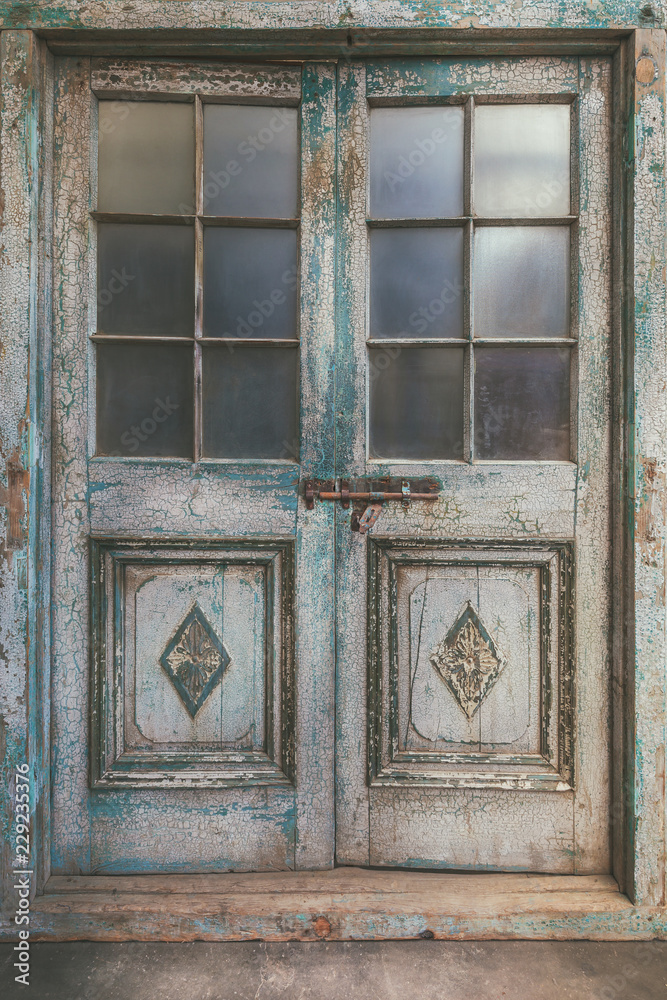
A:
(146, 157)
(521, 160)
(470, 681)
(197, 665)
(145, 400)
(145, 280)
(250, 161)
(521, 281)
(250, 283)
(250, 402)
(416, 283)
(416, 163)
(193, 640)
(522, 403)
(416, 402)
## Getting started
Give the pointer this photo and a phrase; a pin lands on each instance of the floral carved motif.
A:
(195, 660)
(468, 661)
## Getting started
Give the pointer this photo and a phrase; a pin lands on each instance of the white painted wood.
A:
(204, 814)
(419, 823)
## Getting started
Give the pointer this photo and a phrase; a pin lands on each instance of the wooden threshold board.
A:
(341, 904)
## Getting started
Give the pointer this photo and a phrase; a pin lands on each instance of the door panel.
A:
(464, 627)
(448, 318)
(182, 755)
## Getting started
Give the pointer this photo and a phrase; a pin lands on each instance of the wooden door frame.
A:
(386, 905)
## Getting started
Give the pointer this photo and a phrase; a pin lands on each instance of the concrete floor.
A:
(413, 970)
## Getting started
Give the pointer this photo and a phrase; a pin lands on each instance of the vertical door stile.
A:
(209, 746)
(351, 379)
(315, 559)
(73, 135)
(593, 455)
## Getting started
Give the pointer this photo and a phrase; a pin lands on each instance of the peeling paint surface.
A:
(22, 472)
(108, 496)
(193, 15)
(157, 818)
(649, 468)
(430, 796)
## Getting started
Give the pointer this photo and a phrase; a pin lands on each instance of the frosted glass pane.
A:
(145, 280)
(521, 160)
(522, 403)
(416, 402)
(521, 281)
(416, 163)
(416, 283)
(250, 161)
(146, 157)
(250, 402)
(144, 400)
(250, 282)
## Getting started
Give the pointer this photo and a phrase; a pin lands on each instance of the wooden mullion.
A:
(249, 222)
(199, 277)
(138, 218)
(468, 317)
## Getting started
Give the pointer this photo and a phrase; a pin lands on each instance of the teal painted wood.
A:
(647, 465)
(406, 78)
(352, 844)
(255, 818)
(645, 857)
(462, 15)
(503, 827)
(314, 609)
(24, 450)
(344, 904)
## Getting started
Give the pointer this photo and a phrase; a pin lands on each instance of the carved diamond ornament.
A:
(195, 660)
(468, 661)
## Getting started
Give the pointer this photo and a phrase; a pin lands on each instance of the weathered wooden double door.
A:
(280, 279)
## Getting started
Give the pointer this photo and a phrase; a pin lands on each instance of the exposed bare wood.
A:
(344, 903)
(136, 80)
(338, 880)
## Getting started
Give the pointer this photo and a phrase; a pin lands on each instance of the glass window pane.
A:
(522, 160)
(522, 403)
(250, 161)
(416, 402)
(416, 168)
(416, 283)
(521, 281)
(250, 281)
(146, 157)
(250, 402)
(145, 280)
(144, 400)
